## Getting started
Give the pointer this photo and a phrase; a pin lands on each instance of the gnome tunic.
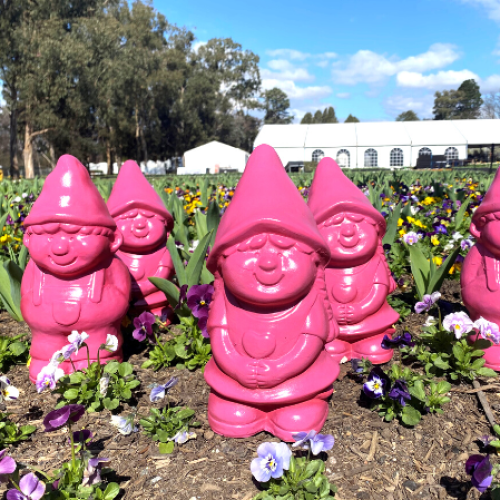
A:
(92, 301)
(133, 191)
(291, 341)
(363, 287)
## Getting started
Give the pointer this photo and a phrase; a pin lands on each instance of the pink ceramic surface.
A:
(270, 318)
(358, 279)
(73, 280)
(145, 223)
(480, 278)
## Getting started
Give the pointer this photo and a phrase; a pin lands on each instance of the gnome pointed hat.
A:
(491, 200)
(132, 190)
(332, 193)
(266, 200)
(70, 197)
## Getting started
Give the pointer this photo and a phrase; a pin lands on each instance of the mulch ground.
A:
(371, 459)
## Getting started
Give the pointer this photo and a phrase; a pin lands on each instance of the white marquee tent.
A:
(212, 158)
(379, 144)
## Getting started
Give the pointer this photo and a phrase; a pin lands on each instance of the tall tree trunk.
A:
(137, 135)
(108, 157)
(29, 166)
(144, 146)
(14, 161)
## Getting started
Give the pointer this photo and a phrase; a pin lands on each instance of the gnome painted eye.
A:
(355, 217)
(282, 241)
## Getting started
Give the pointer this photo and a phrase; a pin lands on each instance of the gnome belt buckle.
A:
(66, 313)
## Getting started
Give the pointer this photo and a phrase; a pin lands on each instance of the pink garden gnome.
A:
(145, 223)
(73, 280)
(358, 279)
(480, 278)
(269, 319)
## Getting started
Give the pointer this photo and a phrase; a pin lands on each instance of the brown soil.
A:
(424, 462)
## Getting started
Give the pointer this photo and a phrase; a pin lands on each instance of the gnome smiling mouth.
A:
(140, 232)
(268, 278)
(348, 241)
(63, 262)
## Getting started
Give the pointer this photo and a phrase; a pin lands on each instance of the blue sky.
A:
(370, 58)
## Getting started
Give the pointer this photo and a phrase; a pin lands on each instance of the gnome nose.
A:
(268, 262)
(60, 247)
(347, 230)
(140, 223)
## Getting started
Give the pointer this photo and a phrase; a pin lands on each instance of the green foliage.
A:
(163, 425)
(351, 119)
(276, 106)
(400, 305)
(10, 288)
(86, 388)
(305, 480)
(11, 433)
(188, 349)
(407, 116)
(441, 354)
(13, 351)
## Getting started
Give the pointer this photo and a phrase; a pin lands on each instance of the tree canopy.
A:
(407, 116)
(351, 119)
(325, 116)
(463, 103)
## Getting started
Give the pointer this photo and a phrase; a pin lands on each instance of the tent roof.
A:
(366, 134)
(334, 135)
(214, 145)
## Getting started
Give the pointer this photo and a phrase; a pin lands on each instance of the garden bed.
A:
(371, 459)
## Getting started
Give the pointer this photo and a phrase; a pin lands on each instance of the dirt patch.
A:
(422, 463)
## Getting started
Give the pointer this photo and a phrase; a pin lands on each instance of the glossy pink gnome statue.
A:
(480, 278)
(145, 223)
(73, 281)
(358, 279)
(269, 319)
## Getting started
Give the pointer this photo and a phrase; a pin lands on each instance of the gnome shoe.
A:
(492, 357)
(339, 350)
(370, 348)
(308, 415)
(232, 419)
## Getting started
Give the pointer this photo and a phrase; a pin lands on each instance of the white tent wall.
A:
(212, 158)
(438, 150)
(291, 154)
(334, 153)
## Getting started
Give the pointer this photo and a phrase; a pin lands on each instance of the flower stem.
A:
(88, 355)
(99, 363)
(73, 459)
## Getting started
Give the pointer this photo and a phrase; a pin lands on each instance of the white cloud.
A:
(288, 54)
(295, 92)
(343, 95)
(197, 45)
(369, 67)
(492, 7)
(435, 81)
(490, 84)
(396, 104)
(296, 74)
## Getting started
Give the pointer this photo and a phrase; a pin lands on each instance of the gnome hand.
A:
(267, 374)
(353, 314)
(247, 375)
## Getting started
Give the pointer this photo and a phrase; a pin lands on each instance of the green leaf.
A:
(443, 387)
(111, 367)
(458, 352)
(71, 394)
(392, 226)
(168, 288)
(26, 430)
(180, 270)
(461, 212)
(197, 261)
(496, 429)
(437, 279)
(185, 414)
(200, 224)
(418, 390)
(110, 404)
(10, 286)
(420, 269)
(410, 416)
(487, 372)
(125, 369)
(213, 220)
(111, 491)
(18, 348)
(165, 448)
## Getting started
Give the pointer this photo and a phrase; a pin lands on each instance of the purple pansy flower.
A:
(143, 325)
(400, 393)
(356, 365)
(57, 418)
(377, 384)
(92, 474)
(458, 323)
(82, 436)
(182, 296)
(7, 464)
(31, 489)
(411, 238)
(427, 302)
(466, 244)
(48, 377)
(272, 459)
(403, 340)
(479, 468)
(199, 298)
(313, 441)
(202, 323)
(159, 391)
(486, 439)
(440, 229)
(488, 330)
